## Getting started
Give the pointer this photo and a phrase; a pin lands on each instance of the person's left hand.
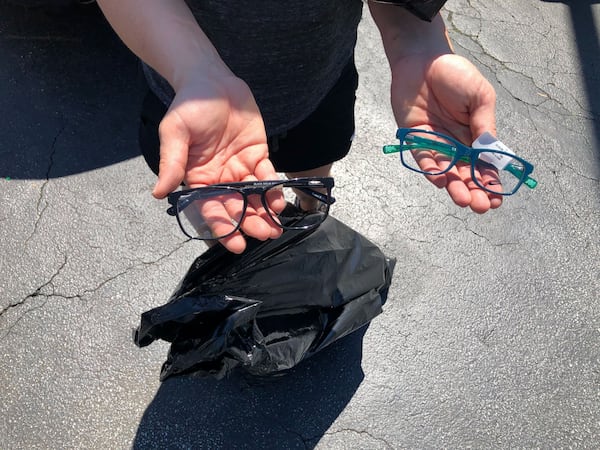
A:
(449, 95)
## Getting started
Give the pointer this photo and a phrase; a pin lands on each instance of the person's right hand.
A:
(213, 133)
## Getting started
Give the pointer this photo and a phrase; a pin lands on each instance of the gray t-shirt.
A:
(290, 53)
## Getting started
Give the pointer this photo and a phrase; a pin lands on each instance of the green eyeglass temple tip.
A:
(530, 183)
(391, 148)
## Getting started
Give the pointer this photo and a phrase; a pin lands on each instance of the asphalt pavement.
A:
(490, 335)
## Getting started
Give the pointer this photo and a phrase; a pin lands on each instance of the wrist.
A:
(166, 36)
(189, 57)
(404, 35)
(198, 70)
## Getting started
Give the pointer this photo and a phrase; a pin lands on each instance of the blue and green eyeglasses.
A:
(500, 172)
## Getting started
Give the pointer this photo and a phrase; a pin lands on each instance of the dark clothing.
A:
(289, 53)
(323, 137)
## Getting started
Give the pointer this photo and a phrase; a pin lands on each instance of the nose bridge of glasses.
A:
(254, 190)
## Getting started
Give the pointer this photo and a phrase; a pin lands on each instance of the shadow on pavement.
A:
(293, 410)
(70, 92)
(587, 39)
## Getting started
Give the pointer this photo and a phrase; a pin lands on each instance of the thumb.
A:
(174, 147)
(483, 111)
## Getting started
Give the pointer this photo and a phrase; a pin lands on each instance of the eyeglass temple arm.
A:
(448, 150)
(318, 195)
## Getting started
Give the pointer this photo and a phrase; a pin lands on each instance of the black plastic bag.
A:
(276, 304)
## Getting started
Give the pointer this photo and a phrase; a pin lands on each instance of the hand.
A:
(449, 95)
(213, 133)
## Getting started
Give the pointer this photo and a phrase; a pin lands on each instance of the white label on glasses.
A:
(489, 142)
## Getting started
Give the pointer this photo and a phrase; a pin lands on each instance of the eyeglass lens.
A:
(217, 213)
(214, 214)
(429, 153)
(499, 172)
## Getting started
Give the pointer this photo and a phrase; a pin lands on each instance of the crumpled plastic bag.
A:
(279, 302)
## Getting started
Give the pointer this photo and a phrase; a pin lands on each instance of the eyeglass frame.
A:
(247, 188)
(464, 153)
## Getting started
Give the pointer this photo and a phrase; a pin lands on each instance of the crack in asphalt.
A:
(479, 235)
(37, 293)
(565, 196)
(42, 209)
(360, 432)
(562, 163)
(310, 442)
(585, 111)
(505, 65)
(579, 174)
(40, 291)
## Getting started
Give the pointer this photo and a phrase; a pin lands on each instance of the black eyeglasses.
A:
(217, 211)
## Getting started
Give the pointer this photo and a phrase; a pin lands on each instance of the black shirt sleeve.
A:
(423, 9)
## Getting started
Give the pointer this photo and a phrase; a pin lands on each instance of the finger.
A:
(223, 220)
(222, 214)
(259, 228)
(480, 201)
(439, 181)
(275, 201)
(264, 170)
(234, 243)
(460, 184)
(428, 162)
(483, 110)
(257, 222)
(254, 224)
(488, 177)
(173, 155)
(457, 188)
(495, 201)
(456, 180)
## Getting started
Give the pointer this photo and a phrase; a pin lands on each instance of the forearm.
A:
(403, 34)
(165, 35)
